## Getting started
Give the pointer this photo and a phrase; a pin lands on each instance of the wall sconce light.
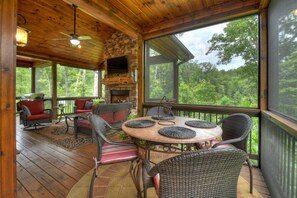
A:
(22, 33)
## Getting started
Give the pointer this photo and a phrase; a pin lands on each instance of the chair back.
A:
(239, 126)
(158, 110)
(35, 106)
(80, 103)
(206, 173)
(99, 128)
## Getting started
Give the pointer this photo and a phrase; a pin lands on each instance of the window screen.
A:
(283, 57)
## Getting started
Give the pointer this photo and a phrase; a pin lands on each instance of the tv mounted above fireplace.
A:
(118, 65)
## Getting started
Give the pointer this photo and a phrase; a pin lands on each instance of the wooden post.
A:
(263, 60)
(8, 13)
(33, 81)
(54, 89)
(140, 77)
(99, 84)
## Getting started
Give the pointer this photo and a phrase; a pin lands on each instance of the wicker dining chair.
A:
(109, 152)
(236, 129)
(159, 110)
(204, 173)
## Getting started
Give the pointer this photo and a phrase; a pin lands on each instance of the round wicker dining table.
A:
(152, 136)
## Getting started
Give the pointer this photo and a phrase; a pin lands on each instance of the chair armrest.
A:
(227, 142)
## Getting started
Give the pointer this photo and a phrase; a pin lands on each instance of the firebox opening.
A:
(118, 96)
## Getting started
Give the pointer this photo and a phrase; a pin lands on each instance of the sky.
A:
(196, 42)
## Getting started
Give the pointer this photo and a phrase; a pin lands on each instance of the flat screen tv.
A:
(118, 65)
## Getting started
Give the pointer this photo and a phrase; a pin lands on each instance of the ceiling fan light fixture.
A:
(74, 41)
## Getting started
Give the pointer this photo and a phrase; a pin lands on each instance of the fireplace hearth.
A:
(118, 96)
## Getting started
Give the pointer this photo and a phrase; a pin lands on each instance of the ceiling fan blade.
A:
(89, 44)
(65, 34)
(81, 38)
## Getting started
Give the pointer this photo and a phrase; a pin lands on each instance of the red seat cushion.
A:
(35, 107)
(157, 183)
(83, 110)
(38, 117)
(120, 116)
(117, 153)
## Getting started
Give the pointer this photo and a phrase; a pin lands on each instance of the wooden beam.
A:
(33, 79)
(106, 13)
(140, 76)
(264, 4)
(218, 13)
(8, 14)
(54, 89)
(263, 60)
(66, 62)
(22, 63)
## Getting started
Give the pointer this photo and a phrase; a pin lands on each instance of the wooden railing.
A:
(279, 155)
(215, 114)
(67, 102)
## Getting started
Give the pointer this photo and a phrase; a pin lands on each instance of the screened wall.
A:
(214, 65)
(282, 61)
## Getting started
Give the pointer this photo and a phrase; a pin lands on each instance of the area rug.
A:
(114, 181)
(56, 134)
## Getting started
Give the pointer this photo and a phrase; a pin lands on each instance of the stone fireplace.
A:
(121, 87)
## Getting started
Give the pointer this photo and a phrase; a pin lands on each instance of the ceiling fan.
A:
(74, 38)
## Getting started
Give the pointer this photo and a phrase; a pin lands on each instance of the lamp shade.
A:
(21, 37)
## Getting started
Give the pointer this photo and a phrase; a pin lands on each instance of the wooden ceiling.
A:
(99, 19)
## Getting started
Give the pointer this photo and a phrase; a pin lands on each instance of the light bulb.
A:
(74, 41)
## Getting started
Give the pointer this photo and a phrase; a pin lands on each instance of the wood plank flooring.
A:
(45, 170)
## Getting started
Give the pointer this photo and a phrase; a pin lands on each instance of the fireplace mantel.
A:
(118, 80)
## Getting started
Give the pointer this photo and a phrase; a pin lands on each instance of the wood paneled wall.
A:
(8, 10)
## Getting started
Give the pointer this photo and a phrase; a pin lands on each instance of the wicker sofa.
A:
(114, 114)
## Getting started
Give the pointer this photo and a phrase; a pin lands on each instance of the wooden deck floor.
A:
(45, 170)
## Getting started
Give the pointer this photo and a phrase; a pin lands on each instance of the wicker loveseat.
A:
(114, 114)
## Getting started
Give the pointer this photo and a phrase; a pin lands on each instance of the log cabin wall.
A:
(119, 44)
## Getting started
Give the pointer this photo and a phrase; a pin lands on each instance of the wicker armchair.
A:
(109, 152)
(205, 173)
(236, 129)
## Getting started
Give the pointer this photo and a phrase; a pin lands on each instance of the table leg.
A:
(67, 126)
(60, 117)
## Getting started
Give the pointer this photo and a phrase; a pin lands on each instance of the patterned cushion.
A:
(38, 117)
(157, 183)
(117, 153)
